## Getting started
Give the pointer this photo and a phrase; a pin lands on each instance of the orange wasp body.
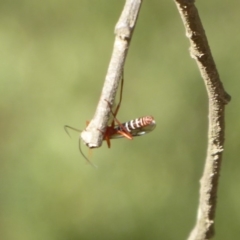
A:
(130, 129)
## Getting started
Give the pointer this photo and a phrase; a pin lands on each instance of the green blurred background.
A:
(54, 57)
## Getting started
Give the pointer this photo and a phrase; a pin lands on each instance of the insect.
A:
(130, 129)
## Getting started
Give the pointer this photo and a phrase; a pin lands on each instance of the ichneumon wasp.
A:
(116, 129)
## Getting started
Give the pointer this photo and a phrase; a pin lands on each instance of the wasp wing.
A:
(137, 131)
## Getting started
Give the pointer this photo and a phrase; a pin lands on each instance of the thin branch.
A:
(200, 51)
(92, 136)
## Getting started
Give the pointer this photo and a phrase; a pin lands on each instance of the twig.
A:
(92, 136)
(200, 51)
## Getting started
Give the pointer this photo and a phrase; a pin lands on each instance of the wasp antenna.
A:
(66, 129)
(80, 149)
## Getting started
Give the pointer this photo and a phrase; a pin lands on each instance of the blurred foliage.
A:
(54, 57)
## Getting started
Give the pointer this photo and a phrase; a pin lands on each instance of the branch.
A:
(200, 51)
(92, 136)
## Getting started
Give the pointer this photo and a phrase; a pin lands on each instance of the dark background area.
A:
(54, 58)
